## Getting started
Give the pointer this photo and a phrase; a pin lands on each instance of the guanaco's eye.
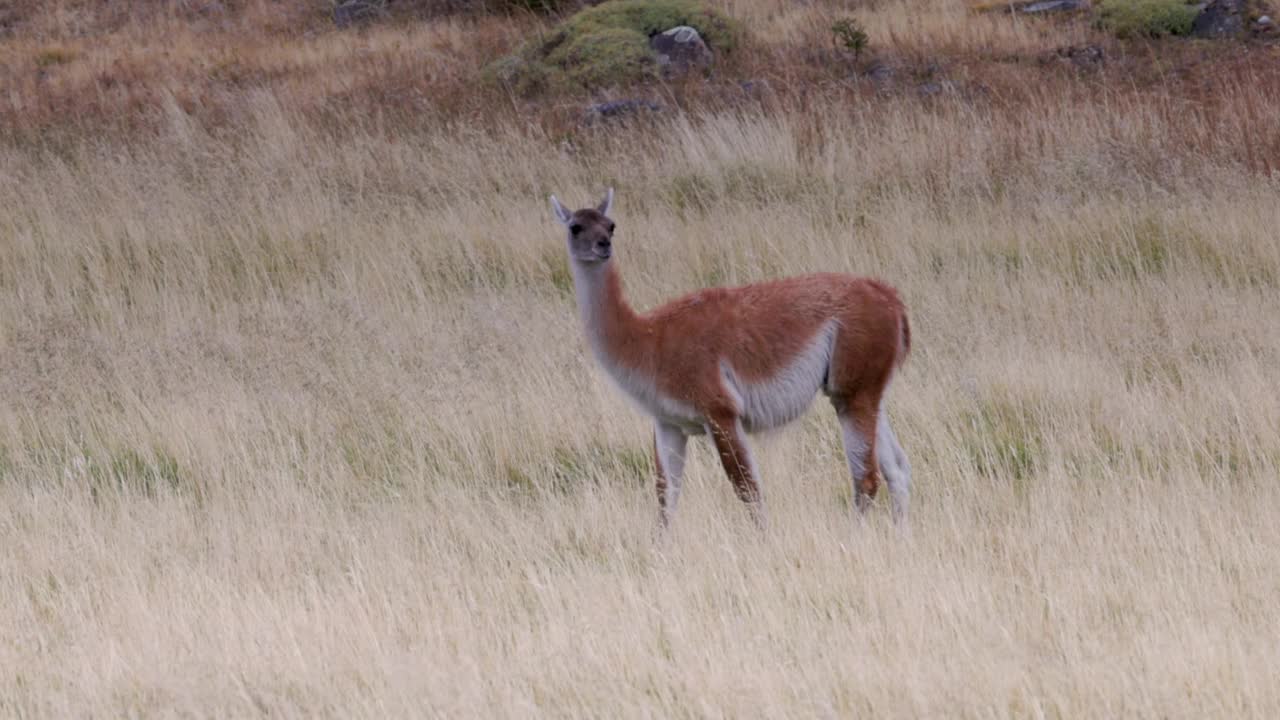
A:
(611, 228)
(575, 228)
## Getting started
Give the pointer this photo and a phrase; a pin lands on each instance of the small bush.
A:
(1146, 18)
(54, 56)
(849, 35)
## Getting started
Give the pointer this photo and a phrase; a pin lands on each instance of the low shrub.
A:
(849, 35)
(1146, 18)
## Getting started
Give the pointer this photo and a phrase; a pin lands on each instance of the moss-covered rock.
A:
(1146, 18)
(604, 56)
(650, 17)
(608, 45)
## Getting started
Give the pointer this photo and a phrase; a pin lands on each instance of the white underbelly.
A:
(766, 406)
(778, 400)
(762, 404)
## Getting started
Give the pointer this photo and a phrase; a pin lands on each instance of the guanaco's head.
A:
(590, 230)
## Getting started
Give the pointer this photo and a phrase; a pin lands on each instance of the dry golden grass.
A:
(300, 422)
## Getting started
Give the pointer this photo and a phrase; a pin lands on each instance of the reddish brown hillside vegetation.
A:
(79, 66)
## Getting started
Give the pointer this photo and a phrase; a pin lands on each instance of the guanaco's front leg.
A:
(731, 443)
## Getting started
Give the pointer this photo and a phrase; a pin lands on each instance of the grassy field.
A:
(299, 421)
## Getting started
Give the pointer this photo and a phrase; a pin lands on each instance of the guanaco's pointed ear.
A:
(563, 215)
(607, 204)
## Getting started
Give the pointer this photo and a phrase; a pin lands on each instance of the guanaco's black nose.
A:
(605, 243)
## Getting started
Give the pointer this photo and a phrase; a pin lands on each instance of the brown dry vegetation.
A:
(296, 418)
(76, 67)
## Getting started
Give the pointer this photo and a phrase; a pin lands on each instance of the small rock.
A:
(619, 109)
(756, 89)
(352, 12)
(681, 49)
(1083, 56)
(930, 89)
(881, 75)
(1034, 7)
(1051, 6)
(1219, 18)
(1264, 24)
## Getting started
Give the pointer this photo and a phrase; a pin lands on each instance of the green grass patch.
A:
(1146, 18)
(1006, 259)
(555, 263)
(1153, 369)
(52, 56)
(1242, 266)
(377, 456)
(1004, 438)
(567, 469)
(604, 56)
(1227, 459)
(750, 183)
(716, 273)
(1147, 247)
(689, 193)
(129, 471)
(1151, 239)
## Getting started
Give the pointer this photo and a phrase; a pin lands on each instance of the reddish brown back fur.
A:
(758, 329)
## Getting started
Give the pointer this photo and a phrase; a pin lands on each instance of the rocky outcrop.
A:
(1219, 18)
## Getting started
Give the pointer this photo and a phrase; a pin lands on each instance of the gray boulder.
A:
(680, 50)
(1219, 18)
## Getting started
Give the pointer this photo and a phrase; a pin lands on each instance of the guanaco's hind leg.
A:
(858, 426)
(894, 466)
(731, 444)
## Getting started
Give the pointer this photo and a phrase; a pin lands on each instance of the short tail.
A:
(904, 339)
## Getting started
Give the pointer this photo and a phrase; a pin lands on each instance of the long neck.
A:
(616, 333)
